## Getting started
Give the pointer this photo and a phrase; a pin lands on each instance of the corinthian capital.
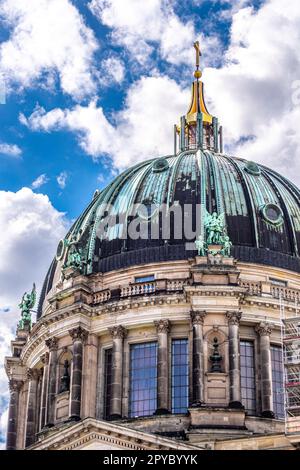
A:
(233, 317)
(45, 359)
(78, 334)
(33, 374)
(51, 343)
(263, 329)
(15, 385)
(197, 316)
(118, 332)
(162, 326)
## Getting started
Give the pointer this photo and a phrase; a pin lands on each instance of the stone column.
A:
(264, 330)
(79, 336)
(118, 334)
(90, 377)
(52, 345)
(235, 400)
(32, 375)
(162, 328)
(12, 425)
(45, 361)
(197, 318)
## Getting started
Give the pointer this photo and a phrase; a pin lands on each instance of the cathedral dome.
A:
(165, 201)
(262, 213)
(169, 308)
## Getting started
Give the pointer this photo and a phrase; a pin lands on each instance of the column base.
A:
(197, 404)
(236, 405)
(48, 426)
(114, 417)
(162, 411)
(74, 418)
(268, 414)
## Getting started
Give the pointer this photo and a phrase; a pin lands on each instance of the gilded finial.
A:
(197, 73)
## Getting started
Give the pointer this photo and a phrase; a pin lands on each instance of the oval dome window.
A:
(272, 214)
(160, 165)
(252, 168)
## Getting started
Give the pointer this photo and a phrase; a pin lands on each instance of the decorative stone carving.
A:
(118, 332)
(264, 329)
(234, 317)
(162, 326)
(32, 374)
(45, 359)
(51, 344)
(15, 385)
(197, 316)
(78, 333)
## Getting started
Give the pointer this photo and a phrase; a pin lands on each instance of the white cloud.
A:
(11, 150)
(112, 71)
(142, 130)
(39, 181)
(141, 26)
(48, 40)
(30, 228)
(62, 179)
(252, 93)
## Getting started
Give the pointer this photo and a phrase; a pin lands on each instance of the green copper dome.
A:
(262, 213)
(260, 208)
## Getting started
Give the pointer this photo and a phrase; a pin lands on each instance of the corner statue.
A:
(215, 228)
(215, 234)
(26, 305)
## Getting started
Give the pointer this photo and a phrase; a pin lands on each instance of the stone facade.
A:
(187, 299)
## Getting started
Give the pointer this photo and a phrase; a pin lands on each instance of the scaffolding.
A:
(290, 334)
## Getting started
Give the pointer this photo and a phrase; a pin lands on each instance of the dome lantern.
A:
(198, 128)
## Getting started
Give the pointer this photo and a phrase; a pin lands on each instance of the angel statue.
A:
(27, 303)
(201, 246)
(74, 255)
(226, 246)
(215, 228)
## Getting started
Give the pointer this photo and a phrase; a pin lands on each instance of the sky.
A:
(89, 87)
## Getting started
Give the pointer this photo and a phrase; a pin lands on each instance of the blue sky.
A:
(53, 153)
(95, 86)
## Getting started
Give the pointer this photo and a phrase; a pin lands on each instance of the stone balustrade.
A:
(285, 293)
(102, 296)
(254, 288)
(177, 285)
(139, 288)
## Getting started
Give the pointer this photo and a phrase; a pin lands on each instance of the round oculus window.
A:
(272, 214)
(160, 165)
(60, 250)
(252, 168)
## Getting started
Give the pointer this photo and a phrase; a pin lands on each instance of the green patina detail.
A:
(160, 165)
(272, 214)
(215, 235)
(26, 305)
(253, 168)
(75, 256)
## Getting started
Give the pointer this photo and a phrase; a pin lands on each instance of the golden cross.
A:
(198, 53)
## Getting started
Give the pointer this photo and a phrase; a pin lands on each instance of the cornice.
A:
(88, 430)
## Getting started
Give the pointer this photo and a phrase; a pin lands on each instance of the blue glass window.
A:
(108, 382)
(277, 381)
(248, 388)
(180, 376)
(145, 278)
(143, 379)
